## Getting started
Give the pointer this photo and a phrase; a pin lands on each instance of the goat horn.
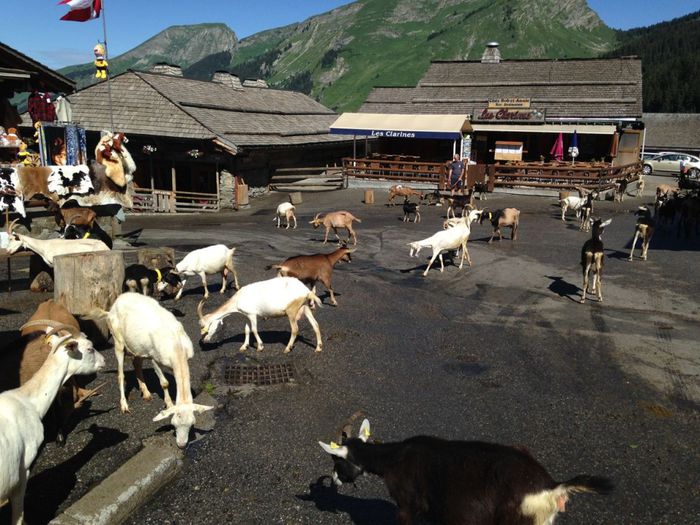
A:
(55, 326)
(11, 226)
(200, 308)
(346, 427)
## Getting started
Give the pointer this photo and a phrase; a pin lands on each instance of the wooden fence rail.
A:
(536, 175)
(166, 201)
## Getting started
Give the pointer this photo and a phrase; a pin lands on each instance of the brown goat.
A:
(399, 190)
(508, 217)
(80, 216)
(644, 229)
(335, 220)
(23, 358)
(312, 268)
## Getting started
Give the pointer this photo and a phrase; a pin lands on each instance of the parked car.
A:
(671, 163)
(689, 180)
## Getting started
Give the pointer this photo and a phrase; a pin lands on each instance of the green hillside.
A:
(670, 56)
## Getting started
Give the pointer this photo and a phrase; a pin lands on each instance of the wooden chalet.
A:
(672, 132)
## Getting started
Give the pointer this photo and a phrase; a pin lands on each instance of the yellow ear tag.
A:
(490, 215)
(334, 445)
(87, 234)
(160, 276)
(366, 432)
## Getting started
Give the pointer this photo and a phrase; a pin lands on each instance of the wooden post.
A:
(173, 176)
(84, 281)
(369, 196)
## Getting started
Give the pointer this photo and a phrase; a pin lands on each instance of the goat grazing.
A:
(146, 330)
(400, 190)
(285, 211)
(459, 482)
(49, 248)
(411, 208)
(572, 202)
(644, 229)
(138, 277)
(447, 239)
(592, 256)
(335, 220)
(508, 217)
(22, 409)
(312, 268)
(272, 298)
(212, 259)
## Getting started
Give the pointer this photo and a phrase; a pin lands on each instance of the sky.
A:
(37, 31)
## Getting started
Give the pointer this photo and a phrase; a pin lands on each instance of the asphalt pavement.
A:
(500, 351)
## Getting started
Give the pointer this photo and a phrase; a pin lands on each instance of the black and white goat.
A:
(459, 482)
(139, 278)
(411, 208)
(592, 257)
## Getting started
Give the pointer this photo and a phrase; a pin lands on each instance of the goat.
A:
(411, 208)
(335, 220)
(621, 189)
(644, 229)
(209, 260)
(500, 219)
(465, 202)
(459, 482)
(138, 275)
(572, 202)
(640, 185)
(80, 216)
(285, 210)
(666, 190)
(400, 190)
(73, 231)
(312, 268)
(49, 248)
(592, 256)
(447, 239)
(24, 356)
(22, 409)
(587, 211)
(146, 330)
(482, 189)
(272, 298)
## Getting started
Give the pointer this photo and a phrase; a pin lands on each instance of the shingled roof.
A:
(147, 103)
(580, 88)
(672, 131)
(18, 67)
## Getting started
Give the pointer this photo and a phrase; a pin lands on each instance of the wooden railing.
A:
(307, 178)
(166, 201)
(562, 176)
(390, 169)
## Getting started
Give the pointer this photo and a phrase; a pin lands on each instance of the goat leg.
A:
(246, 341)
(163, 384)
(138, 369)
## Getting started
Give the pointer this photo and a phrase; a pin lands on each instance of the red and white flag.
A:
(81, 10)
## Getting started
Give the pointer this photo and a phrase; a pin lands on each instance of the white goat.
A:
(146, 330)
(453, 238)
(285, 211)
(47, 249)
(209, 260)
(571, 203)
(22, 409)
(272, 298)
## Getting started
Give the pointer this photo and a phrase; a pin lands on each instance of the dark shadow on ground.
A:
(269, 337)
(564, 288)
(361, 511)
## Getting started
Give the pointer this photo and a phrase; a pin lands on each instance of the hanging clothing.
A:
(82, 147)
(72, 146)
(40, 107)
(64, 111)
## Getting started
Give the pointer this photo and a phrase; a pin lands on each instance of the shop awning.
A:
(401, 126)
(581, 129)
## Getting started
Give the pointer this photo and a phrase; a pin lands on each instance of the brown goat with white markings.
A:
(312, 268)
(335, 220)
(507, 217)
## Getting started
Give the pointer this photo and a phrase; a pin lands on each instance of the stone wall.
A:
(226, 189)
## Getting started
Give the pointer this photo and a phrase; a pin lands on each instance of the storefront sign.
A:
(393, 134)
(509, 103)
(508, 115)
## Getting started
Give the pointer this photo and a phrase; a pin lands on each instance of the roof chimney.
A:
(259, 83)
(226, 78)
(491, 54)
(167, 69)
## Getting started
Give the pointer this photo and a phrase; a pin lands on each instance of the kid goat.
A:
(285, 211)
(592, 259)
(146, 330)
(204, 261)
(644, 229)
(335, 220)
(272, 298)
(459, 482)
(312, 268)
(140, 278)
(21, 411)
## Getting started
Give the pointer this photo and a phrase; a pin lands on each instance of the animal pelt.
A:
(113, 155)
(106, 191)
(69, 180)
(33, 181)
(10, 197)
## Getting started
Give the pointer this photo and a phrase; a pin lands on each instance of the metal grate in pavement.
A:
(258, 375)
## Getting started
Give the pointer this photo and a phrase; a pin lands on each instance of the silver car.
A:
(671, 163)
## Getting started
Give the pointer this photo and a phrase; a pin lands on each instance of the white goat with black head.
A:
(459, 482)
(592, 257)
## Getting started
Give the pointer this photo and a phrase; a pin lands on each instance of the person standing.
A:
(456, 172)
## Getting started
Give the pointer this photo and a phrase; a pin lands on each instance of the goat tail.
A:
(591, 484)
(229, 259)
(313, 297)
(356, 219)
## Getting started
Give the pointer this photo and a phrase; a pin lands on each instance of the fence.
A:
(314, 178)
(397, 168)
(561, 176)
(166, 201)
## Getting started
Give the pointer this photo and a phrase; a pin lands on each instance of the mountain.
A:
(670, 63)
(340, 55)
(182, 45)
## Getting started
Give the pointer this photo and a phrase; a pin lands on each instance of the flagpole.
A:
(109, 85)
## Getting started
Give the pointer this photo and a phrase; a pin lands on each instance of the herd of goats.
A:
(488, 483)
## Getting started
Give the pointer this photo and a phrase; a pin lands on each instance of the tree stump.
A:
(156, 257)
(84, 281)
(295, 197)
(369, 196)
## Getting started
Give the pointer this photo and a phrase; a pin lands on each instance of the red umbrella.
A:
(557, 150)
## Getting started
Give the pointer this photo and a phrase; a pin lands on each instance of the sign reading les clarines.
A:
(507, 115)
